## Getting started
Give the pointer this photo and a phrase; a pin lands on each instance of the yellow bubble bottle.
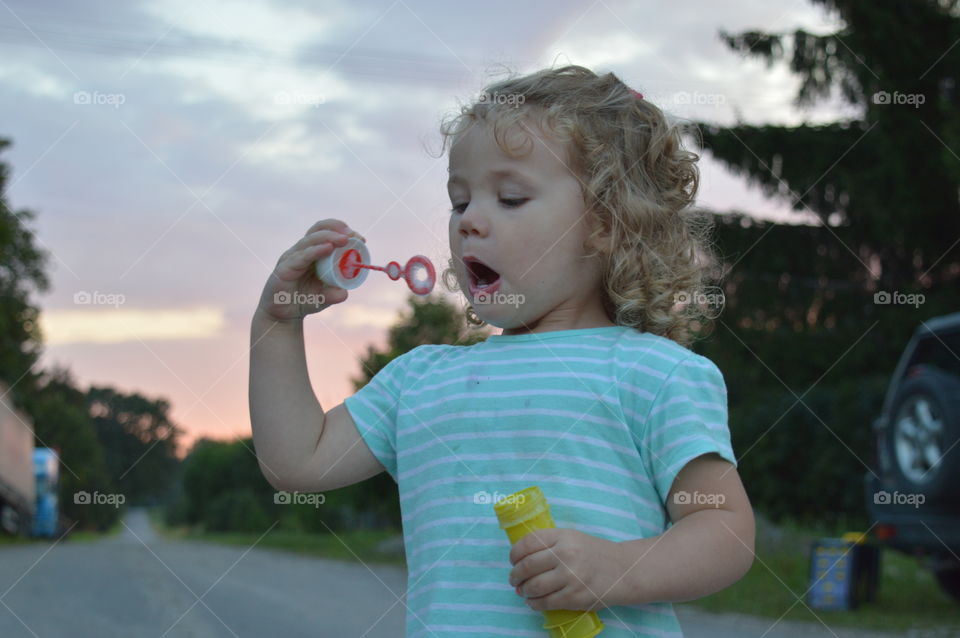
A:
(521, 513)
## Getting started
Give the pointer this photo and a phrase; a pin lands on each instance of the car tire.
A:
(922, 436)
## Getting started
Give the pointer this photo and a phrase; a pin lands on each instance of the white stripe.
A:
(646, 630)
(504, 394)
(511, 434)
(613, 511)
(464, 564)
(700, 384)
(525, 479)
(650, 506)
(687, 439)
(501, 609)
(685, 399)
(572, 415)
(640, 392)
(680, 420)
(604, 379)
(472, 542)
(481, 367)
(458, 584)
(535, 456)
(478, 629)
(490, 520)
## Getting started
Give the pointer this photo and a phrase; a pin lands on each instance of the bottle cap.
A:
(339, 268)
(520, 507)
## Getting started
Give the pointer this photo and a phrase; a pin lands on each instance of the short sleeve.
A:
(688, 418)
(374, 410)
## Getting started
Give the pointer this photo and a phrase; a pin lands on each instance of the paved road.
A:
(138, 584)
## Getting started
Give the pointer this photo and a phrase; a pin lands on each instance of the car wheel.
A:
(923, 435)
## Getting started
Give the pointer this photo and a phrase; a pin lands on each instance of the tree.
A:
(61, 420)
(884, 185)
(22, 266)
(139, 441)
(800, 299)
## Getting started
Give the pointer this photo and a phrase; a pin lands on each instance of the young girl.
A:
(570, 230)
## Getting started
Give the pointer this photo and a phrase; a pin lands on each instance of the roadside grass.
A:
(74, 536)
(353, 545)
(908, 596)
(89, 535)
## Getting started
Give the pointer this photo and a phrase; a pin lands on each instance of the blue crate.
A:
(843, 573)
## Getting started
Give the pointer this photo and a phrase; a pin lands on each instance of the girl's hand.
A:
(566, 569)
(293, 290)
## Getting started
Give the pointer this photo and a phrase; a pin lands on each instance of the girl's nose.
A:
(473, 221)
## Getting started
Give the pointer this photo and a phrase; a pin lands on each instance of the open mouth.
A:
(481, 275)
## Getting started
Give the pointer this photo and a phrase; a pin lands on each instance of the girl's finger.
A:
(309, 255)
(319, 237)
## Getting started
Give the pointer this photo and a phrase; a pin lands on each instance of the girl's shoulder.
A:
(647, 350)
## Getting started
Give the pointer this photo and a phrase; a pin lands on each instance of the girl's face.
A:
(523, 218)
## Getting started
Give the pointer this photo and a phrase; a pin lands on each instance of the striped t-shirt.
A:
(601, 419)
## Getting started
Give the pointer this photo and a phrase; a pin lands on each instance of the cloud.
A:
(118, 325)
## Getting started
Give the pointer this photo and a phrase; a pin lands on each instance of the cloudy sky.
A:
(172, 150)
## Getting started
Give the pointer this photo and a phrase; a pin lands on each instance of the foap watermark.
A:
(298, 498)
(301, 299)
(898, 98)
(97, 298)
(96, 98)
(699, 498)
(699, 99)
(895, 298)
(502, 99)
(86, 498)
(884, 497)
(484, 497)
(286, 98)
(512, 299)
(713, 300)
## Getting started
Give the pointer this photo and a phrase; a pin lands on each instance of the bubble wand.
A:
(347, 267)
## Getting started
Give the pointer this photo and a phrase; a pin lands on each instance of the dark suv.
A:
(916, 500)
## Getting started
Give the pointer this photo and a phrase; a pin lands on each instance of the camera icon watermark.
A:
(97, 298)
(286, 98)
(699, 99)
(514, 100)
(712, 301)
(96, 498)
(486, 498)
(96, 98)
(884, 497)
(487, 298)
(683, 497)
(284, 298)
(895, 298)
(298, 498)
(898, 98)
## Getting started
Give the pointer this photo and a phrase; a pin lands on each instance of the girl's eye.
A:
(509, 203)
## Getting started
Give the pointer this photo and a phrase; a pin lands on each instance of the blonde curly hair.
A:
(638, 183)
